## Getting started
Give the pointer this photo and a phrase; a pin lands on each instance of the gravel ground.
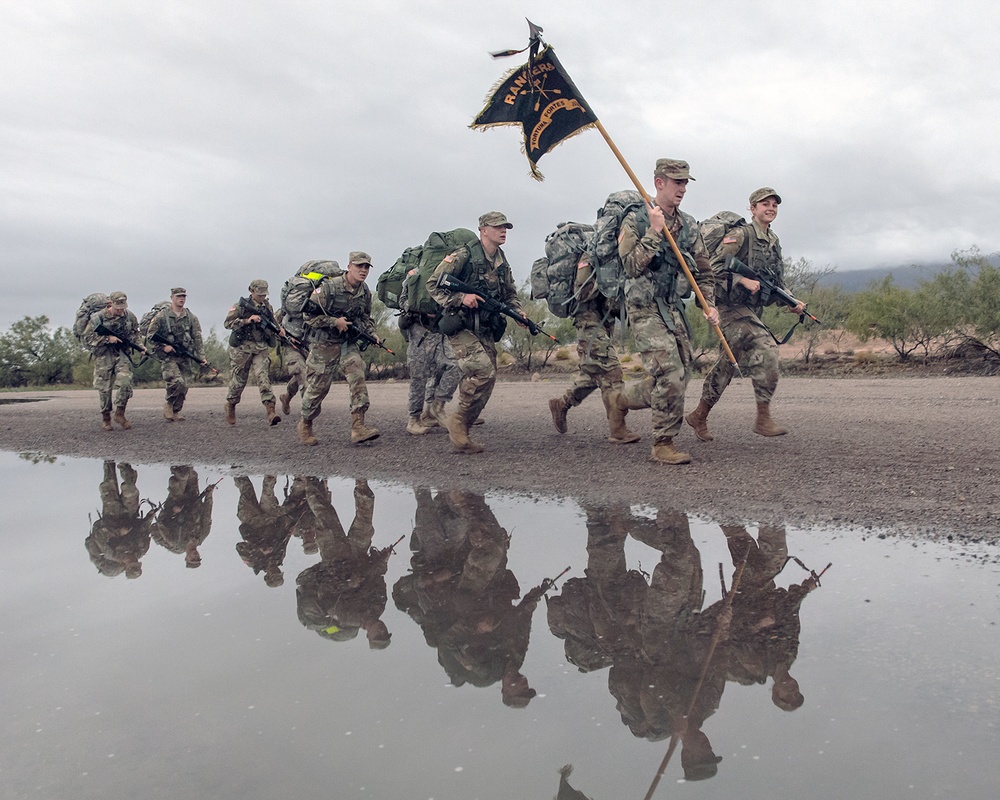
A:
(912, 455)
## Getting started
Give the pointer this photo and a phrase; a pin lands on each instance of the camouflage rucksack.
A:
(298, 289)
(91, 304)
(715, 228)
(603, 249)
(149, 316)
(553, 277)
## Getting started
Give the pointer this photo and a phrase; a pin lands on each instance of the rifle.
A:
(542, 588)
(733, 264)
(159, 338)
(450, 283)
(268, 322)
(104, 330)
(354, 333)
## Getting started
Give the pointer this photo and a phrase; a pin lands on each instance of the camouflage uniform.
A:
(250, 346)
(434, 374)
(185, 518)
(112, 368)
(474, 346)
(120, 536)
(330, 349)
(177, 370)
(739, 314)
(656, 315)
(265, 528)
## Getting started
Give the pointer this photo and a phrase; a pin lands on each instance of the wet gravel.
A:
(902, 455)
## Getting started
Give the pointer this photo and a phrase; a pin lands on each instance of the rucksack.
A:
(91, 304)
(147, 319)
(417, 299)
(553, 278)
(310, 274)
(603, 249)
(715, 228)
(389, 287)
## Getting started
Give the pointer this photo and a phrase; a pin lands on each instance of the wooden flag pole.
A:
(673, 244)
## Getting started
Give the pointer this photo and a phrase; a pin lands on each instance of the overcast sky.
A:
(205, 143)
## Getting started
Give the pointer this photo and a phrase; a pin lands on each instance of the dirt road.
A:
(903, 454)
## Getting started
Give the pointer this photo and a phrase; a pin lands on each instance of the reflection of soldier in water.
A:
(765, 628)
(120, 536)
(345, 592)
(263, 528)
(598, 615)
(185, 518)
(655, 686)
(299, 516)
(462, 595)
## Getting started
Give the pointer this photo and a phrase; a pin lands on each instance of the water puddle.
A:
(180, 632)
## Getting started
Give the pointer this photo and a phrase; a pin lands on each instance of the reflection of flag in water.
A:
(541, 98)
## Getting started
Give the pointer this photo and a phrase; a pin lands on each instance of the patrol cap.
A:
(672, 168)
(360, 257)
(258, 286)
(118, 299)
(178, 290)
(763, 193)
(494, 219)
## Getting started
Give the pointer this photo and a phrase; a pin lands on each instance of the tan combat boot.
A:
(305, 429)
(286, 405)
(416, 426)
(120, 418)
(436, 410)
(427, 419)
(765, 426)
(616, 406)
(458, 432)
(698, 419)
(230, 412)
(106, 421)
(272, 416)
(178, 417)
(664, 452)
(359, 431)
(558, 408)
(168, 412)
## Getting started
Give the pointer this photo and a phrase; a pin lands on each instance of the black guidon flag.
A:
(541, 98)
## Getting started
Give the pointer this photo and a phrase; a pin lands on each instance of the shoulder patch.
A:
(316, 290)
(729, 239)
(449, 258)
(232, 308)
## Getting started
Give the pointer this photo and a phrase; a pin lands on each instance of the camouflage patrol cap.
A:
(258, 286)
(360, 257)
(494, 219)
(178, 290)
(763, 193)
(672, 168)
(118, 299)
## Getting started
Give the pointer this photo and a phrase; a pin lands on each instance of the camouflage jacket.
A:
(758, 249)
(184, 330)
(332, 299)
(126, 327)
(244, 331)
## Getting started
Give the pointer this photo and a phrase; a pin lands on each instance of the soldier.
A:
(598, 365)
(179, 346)
(434, 373)
(265, 528)
(185, 518)
(337, 306)
(472, 331)
(653, 293)
(741, 301)
(249, 348)
(112, 366)
(294, 297)
(120, 537)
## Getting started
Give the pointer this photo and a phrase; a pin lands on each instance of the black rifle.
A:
(355, 333)
(734, 265)
(450, 283)
(104, 330)
(183, 352)
(268, 322)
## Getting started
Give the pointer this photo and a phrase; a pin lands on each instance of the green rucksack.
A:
(603, 248)
(91, 304)
(389, 287)
(417, 299)
(553, 278)
(715, 228)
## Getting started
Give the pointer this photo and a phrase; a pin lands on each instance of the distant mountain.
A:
(908, 277)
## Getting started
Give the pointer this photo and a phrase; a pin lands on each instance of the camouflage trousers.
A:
(113, 379)
(295, 364)
(666, 356)
(757, 355)
(598, 364)
(321, 366)
(250, 356)
(434, 374)
(119, 503)
(477, 364)
(177, 373)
